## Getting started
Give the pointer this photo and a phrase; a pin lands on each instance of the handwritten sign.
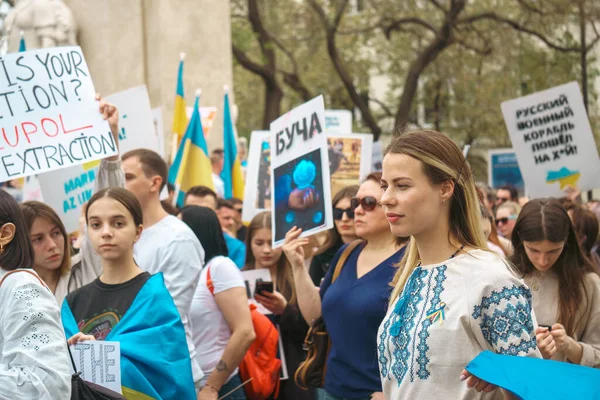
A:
(250, 279)
(301, 194)
(67, 190)
(99, 362)
(49, 117)
(136, 121)
(553, 140)
(338, 121)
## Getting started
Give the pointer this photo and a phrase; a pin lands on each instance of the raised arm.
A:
(35, 364)
(309, 300)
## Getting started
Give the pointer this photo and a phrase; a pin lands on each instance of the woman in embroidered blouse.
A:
(564, 284)
(452, 298)
(62, 272)
(34, 363)
(353, 305)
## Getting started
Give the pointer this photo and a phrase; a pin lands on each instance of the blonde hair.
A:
(514, 208)
(442, 161)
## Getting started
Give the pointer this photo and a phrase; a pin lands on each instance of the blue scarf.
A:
(155, 360)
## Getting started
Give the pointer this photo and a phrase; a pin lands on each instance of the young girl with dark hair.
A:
(34, 363)
(222, 326)
(121, 305)
(564, 285)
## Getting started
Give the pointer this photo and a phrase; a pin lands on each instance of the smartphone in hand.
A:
(262, 286)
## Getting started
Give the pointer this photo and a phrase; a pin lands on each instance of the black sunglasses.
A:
(368, 203)
(338, 213)
(505, 220)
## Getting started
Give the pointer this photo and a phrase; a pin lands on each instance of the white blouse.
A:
(453, 311)
(34, 362)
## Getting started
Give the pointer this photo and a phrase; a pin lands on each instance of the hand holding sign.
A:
(110, 113)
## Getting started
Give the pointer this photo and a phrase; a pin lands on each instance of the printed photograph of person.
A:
(344, 162)
(263, 194)
(299, 195)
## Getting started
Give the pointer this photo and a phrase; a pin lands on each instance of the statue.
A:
(44, 23)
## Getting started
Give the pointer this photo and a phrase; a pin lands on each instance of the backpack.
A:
(260, 365)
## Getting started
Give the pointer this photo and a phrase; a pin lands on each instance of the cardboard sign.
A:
(301, 194)
(136, 121)
(208, 116)
(157, 118)
(250, 279)
(99, 362)
(257, 191)
(553, 140)
(349, 159)
(68, 189)
(49, 116)
(338, 121)
(503, 169)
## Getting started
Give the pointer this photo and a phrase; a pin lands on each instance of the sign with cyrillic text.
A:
(301, 194)
(49, 118)
(338, 122)
(99, 362)
(553, 139)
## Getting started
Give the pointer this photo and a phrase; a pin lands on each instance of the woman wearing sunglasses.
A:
(354, 305)
(343, 233)
(506, 217)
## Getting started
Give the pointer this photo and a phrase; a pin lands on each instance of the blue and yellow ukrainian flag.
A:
(191, 166)
(22, 46)
(155, 361)
(232, 170)
(180, 121)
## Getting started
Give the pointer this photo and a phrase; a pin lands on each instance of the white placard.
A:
(67, 190)
(32, 191)
(136, 121)
(159, 129)
(552, 137)
(99, 362)
(50, 118)
(349, 159)
(250, 279)
(257, 191)
(338, 121)
(301, 194)
(377, 159)
(208, 116)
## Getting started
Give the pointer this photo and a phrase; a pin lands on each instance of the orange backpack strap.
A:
(27, 271)
(342, 260)
(209, 282)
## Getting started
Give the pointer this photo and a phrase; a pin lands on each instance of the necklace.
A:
(451, 257)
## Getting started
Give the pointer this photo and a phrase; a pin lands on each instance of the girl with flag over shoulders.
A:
(130, 306)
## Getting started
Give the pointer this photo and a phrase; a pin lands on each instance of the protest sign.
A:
(250, 279)
(301, 194)
(159, 129)
(99, 362)
(257, 191)
(50, 118)
(349, 159)
(553, 140)
(338, 121)
(208, 116)
(136, 121)
(67, 190)
(377, 157)
(503, 169)
(32, 190)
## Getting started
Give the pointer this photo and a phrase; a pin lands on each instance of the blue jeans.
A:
(323, 395)
(229, 386)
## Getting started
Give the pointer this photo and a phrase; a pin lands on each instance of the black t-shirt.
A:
(98, 307)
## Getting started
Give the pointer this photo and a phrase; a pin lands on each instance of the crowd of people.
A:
(434, 268)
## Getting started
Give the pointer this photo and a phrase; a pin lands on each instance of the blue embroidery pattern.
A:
(403, 359)
(422, 359)
(505, 320)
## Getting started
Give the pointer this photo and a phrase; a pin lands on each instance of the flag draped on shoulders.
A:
(155, 361)
(180, 120)
(191, 166)
(232, 169)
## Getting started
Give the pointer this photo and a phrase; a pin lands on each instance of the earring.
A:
(1, 248)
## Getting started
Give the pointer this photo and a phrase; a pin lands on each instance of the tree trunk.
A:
(273, 97)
